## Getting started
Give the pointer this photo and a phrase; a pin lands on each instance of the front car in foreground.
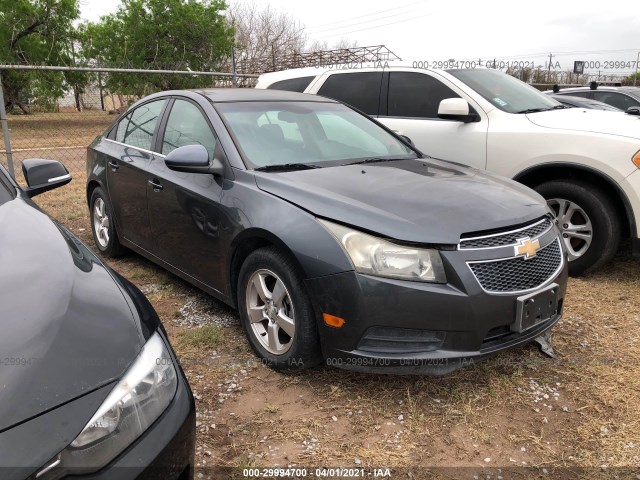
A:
(335, 239)
(90, 384)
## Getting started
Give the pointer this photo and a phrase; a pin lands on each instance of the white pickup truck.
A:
(586, 163)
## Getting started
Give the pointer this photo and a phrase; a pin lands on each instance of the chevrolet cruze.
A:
(335, 239)
(89, 385)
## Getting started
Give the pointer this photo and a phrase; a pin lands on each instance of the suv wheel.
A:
(276, 312)
(587, 220)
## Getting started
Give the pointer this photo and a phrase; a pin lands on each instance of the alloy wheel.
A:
(101, 222)
(270, 311)
(574, 225)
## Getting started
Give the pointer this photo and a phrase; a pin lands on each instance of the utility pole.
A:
(549, 70)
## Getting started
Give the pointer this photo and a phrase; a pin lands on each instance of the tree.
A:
(159, 34)
(35, 32)
(633, 79)
(262, 36)
(324, 45)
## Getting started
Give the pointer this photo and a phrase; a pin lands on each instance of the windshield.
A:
(6, 192)
(504, 91)
(321, 134)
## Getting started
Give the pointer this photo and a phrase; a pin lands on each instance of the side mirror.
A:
(193, 159)
(633, 110)
(456, 109)
(407, 139)
(44, 175)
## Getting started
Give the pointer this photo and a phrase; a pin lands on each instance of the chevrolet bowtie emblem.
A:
(527, 248)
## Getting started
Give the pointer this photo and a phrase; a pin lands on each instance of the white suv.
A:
(586, 163)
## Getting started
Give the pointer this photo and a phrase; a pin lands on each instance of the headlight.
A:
(376, 256)
(143, 393)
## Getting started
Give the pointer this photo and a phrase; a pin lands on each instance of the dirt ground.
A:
(520, 414)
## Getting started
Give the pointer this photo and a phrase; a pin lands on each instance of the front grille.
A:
(518, 274)
(505, 238)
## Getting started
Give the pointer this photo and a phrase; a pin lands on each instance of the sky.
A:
(432, 31)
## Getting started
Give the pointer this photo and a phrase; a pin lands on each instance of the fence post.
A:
(5, 131)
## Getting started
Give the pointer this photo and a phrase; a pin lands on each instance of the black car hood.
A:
(66, 326)
(424, 201)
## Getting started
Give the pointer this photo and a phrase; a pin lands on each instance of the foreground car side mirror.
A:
(193, 159)
(43, 175)
(633, 110)
(457, 109)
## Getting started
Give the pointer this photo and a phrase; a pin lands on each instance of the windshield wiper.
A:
(286, 166)
(534, 110)
(376, 160)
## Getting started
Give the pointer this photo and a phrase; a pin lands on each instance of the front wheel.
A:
(588, 222)
(276, 312)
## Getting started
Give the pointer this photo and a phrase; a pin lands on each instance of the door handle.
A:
(114, 165)
(155, 183)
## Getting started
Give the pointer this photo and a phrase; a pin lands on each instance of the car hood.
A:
(424, 201)
(67, 328)
(589, 120)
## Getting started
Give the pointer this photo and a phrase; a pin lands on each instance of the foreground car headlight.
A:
(376, 256)
(139, 398)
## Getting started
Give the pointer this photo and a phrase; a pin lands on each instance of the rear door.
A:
(129, 156)
(184, 208)
(411, 108)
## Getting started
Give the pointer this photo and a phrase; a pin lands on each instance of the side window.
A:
(187, 126)
(360, 90)
(292, 84)
(142, 123)
(416, 95)
(583, 94)
(121, 129)
(618, 100)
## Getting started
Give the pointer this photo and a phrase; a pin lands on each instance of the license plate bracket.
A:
(536, 308)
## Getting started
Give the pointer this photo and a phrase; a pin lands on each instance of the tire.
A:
(105, 235)
(587, 211)
(284, 331)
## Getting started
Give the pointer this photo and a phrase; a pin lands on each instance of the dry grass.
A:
(488, 410)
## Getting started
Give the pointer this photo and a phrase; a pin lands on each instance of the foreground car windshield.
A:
(285, 133)
(504, 91)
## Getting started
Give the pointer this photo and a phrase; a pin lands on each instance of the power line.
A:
(363, 16)
(379, 26)
(360, 23)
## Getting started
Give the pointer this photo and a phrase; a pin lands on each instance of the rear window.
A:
(360, 90)
(292, 84)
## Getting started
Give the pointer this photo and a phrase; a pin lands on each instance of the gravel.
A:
(199, 310)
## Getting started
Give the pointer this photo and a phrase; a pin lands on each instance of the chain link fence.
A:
(61, 127)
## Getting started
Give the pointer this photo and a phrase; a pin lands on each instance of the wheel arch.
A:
(247, 242)
(91, 186)
(537, 175)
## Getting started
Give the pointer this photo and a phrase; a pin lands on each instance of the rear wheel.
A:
(276, 312)
(588, 222)
(103, 227)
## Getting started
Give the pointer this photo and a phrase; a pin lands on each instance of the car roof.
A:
(222, 95)
(218, 95)
(635, 90)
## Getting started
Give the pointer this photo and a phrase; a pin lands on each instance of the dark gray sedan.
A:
(334, 238)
